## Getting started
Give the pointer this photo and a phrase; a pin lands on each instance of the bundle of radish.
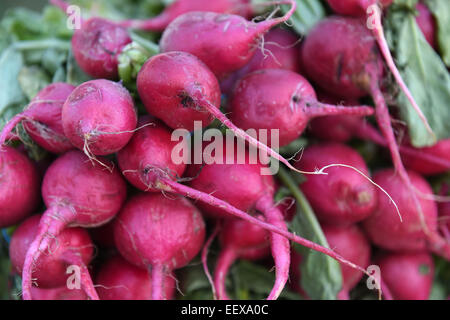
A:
(19, 186)
(240, 240)
(42, 118)
(99, 117)
(70, 247)
(160, 235)
(77, 193)
(117, 279)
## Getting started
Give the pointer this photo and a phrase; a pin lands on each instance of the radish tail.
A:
(53, 221)
(86, 280)
(9, 127)
(266, 25)
(318, 109)
(168, 185)
(226, 258)
(279, 245)
(205, 250)
(157, 272)
(384, 48)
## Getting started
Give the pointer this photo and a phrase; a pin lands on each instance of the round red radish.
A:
(99, 117)
(343, 196)
(159, 234)
(19, 186)
(49, 270)
(409, 276)
(117, 279)
(224, 42)
(355, 7)
(61, 293)
(441, 150)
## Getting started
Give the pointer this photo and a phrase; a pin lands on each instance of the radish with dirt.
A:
(159, 234)
(239, 240)
(77, 193)
(42, 119)
(118, 279)
(70, 247)
(408, 276)
(412, 233)
(99, 117)
(19, 186)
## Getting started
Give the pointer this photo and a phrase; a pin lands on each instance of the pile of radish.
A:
(129, 199)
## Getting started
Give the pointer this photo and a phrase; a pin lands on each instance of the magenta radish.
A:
(61, 293)
(77, 193)
(159, 234)
(224, 42)
(179, 89)
(371, 9)
(19, 186)
(444, 219)
(70, 247)
(415, 161)
(426, 23)
(239, 240)
(42, 118)
(179, 7)
(350, 197)
(356, 72)
(275, 99)
(118, 279)
(99, 117)
(352, 244)
(409, 276)
(150, 173)
(412, 233)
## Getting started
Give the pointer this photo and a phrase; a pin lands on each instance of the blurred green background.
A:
(32, 4)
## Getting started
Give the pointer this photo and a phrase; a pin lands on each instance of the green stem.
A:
(42, 44)
(153, 48)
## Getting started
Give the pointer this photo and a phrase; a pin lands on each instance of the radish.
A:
(350, 197)
(352, 244)
(117, 279)
(70, 247)
(179, 7)
(42, 118)
(19, 186)
(103, 236)
(239, 239)
(426, 164)
(283, 100)
(224, 42)
(159, 234)
(97, 45)
(182, 98)
(99, 117)
(77, 193)
(409, 276)
(412, 234)
(61, 293)
(426, 23)
(371, 9)
(343, 58)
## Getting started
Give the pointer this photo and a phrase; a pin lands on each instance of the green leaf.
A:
(425, 75)
(32, 80)
(321, 275)
(307, 14)
(441, 12)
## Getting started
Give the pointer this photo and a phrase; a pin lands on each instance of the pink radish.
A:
(159, 234)
(412, 234)
(344, 60)
(99, 117)
(77, 193)
(283, 100)
(70, 247)
(42, 118)
(371, 9)
(19, 186)
(426, 23)
(97, 45)
(117, 279)
(179, 7)
(350, 197)
(240, 240)
(352, 244)
(61, 293)
(409, 276)
(438, 154)
(179, 89)
(224, 42)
